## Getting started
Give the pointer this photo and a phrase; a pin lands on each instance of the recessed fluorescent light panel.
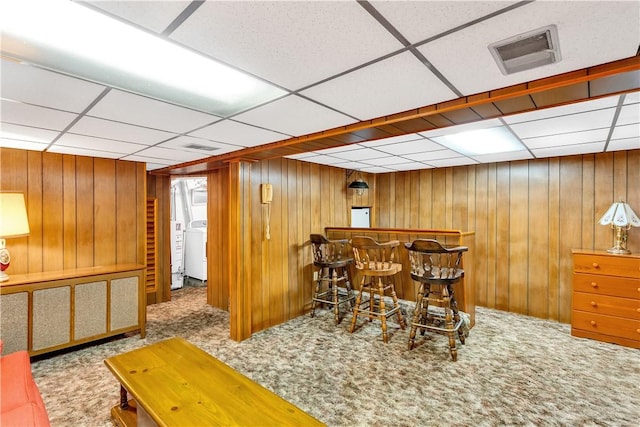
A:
(528, 50)
(74, 39)
(481, 141)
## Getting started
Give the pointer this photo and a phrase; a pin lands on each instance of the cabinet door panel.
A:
(51, 317)
(14, 322)
(124, 303)
(90, 310)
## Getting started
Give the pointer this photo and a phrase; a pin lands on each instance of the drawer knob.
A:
(593, 304)
(596, 265)
(593, 323)
(594, 285)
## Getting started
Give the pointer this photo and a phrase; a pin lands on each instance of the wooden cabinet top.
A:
(72, 273)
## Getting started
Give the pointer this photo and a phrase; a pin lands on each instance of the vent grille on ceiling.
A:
(528, 50)
(201, 147)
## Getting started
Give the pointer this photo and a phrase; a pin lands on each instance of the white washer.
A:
(195, 256)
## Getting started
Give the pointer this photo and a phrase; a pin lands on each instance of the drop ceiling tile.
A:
(396, 84)
(338, 150)
(100, 144)
(155, 16)
(503, 157)
(302, 156)
(455, 161)
(292, 44)
(21, 144)
(412, 147)
(567, 138)
(409, 17)
(392, 140)
(26, 83)
(387, 160)
(409, 166)
(294, 116)
(351, 165)
(627, 131)
(361, 154)
(177, 156)
(565, 110)
(88, 152)
(26, 133)
(236, 133)
(140, 111)
(632, 98)
(629, 114)
(30, 115)
(430, 156)
(467, 127)
(323, 160)
(624, 144)
(376, 169)
(588, 35)
(160, 163)
(153, 166)
(568, 150)
(565, 124)
(109, 129)
(187, 143)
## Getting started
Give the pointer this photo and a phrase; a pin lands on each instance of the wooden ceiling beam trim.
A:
(507, 97)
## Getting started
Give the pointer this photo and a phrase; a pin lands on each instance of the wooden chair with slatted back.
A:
(332, 284)
(436, 268)
(377, 264)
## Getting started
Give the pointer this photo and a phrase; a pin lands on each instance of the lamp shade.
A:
(620, 214)
(13, 215)
(359, 184)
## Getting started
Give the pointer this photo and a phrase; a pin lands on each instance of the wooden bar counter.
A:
(405, 286)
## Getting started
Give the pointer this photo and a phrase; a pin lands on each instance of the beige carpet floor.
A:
(513, 370)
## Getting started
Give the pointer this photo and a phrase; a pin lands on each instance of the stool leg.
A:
(394, 298)
(417, 312)
(347, 284)
(456, 315)
(425, 307)
(448, 319)
(336, 305)
(382, 312)
(316, 292)
(356, 308)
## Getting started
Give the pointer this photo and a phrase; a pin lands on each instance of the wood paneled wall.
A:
(82, 211)
(527, 216)
(159, 188)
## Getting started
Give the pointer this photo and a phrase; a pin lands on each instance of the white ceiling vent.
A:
(201, 147)
(528, 50)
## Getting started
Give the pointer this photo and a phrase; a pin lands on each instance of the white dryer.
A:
(195, 250)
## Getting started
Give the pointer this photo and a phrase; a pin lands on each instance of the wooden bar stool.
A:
(378, 264)
(437, 269)
(328, 256)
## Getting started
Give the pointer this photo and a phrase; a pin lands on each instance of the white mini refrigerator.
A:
(195, 257)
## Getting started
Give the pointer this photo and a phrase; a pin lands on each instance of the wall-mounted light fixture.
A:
(621, 217)
(358, 184)
(13, 223)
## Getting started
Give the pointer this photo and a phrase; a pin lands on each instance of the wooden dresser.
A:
(606, 297)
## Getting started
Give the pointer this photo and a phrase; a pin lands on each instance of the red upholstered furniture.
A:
(20, 401)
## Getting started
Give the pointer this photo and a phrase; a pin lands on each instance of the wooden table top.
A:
(178, 384)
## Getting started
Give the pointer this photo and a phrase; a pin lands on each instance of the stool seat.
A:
(332, 283)
(437, 269)
(378, 264)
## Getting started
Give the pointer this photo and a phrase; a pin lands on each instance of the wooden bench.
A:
(175, 383)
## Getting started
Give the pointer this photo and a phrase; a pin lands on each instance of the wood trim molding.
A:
(575, 86)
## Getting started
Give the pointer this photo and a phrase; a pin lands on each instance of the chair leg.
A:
(456, 315)
(425, 307)
(347, 284)
(417, 311)
(336, 305)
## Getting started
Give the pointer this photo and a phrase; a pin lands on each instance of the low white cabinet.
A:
(44, 312)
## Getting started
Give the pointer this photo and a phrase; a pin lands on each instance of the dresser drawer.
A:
(610, 265)
(606, 325)
(605, 304)
(606, 285)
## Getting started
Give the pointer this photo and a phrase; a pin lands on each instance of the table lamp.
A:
(621, 217)
(13, 223)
